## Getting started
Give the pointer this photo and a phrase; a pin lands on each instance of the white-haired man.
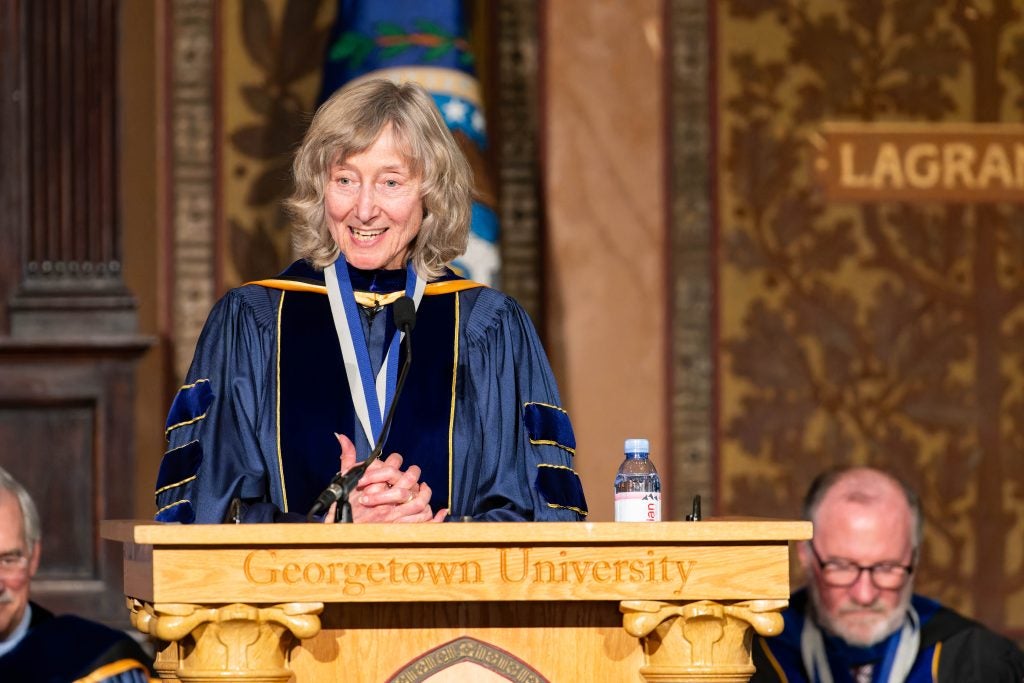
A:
(858, 620)
(34, 644)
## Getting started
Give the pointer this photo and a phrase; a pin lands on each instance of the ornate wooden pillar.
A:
(68, 330)
(702, 640)
(517, 107)
(225, 642)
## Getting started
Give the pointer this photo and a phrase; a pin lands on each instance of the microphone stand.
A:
(342, 485)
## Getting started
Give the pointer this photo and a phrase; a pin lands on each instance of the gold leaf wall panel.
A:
(273, 55)
(879, 332)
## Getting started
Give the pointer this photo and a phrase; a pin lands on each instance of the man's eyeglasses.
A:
(843, 573)
(13, 563)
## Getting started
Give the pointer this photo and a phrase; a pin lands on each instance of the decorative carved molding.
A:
(700, 641)
(467, 650)
(192, 173)
(690, 266)
(518, 176)
(228, 642)
(14, 198)
(66, 93)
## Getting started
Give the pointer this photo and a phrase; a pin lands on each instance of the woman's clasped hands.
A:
(385, 493)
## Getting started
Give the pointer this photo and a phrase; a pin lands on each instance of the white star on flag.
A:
(455, 110)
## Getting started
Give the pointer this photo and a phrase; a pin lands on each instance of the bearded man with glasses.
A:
(858, 620)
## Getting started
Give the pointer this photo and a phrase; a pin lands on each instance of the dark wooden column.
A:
(68, 332)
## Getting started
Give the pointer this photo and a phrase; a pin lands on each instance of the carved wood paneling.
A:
(66, 434)
(13, 194)
(67, 424)
(67, 364)
(71, 270)
(691, 237)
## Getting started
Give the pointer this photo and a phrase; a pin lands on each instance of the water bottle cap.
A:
(638, 446)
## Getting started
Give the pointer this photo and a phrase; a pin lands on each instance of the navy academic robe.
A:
(69, 648)
(953, 649)
(480, 413)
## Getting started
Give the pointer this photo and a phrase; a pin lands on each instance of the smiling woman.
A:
(291, 370)
(374, 208)
(385, 129)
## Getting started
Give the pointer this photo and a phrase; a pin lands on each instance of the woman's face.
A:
(374, 207)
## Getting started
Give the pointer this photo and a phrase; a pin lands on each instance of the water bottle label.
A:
(637, 506)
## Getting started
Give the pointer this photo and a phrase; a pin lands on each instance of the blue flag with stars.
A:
(424, 42)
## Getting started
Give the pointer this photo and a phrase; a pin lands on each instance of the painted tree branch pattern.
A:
(284, 42)
(873, 333)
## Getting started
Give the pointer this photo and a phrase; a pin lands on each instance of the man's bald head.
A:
(865, 486)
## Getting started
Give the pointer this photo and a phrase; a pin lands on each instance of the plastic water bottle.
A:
(637, 485)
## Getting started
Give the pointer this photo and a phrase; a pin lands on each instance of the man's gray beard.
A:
(885, 628)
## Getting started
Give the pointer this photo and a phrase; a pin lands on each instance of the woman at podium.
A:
(300, 372)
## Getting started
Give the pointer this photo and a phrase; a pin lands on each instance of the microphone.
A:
(404, 312)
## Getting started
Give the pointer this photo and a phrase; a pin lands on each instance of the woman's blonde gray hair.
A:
(348, 123)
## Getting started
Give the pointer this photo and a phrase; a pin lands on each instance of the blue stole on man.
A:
(785, 654)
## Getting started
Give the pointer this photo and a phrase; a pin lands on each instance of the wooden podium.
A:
(529, 601)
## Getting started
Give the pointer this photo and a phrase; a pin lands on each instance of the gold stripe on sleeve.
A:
(108, 671)
(774, 662)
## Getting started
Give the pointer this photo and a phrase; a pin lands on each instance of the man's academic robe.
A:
(953, 649)
(69, 648)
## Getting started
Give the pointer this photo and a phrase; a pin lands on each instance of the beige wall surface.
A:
(603, 169)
